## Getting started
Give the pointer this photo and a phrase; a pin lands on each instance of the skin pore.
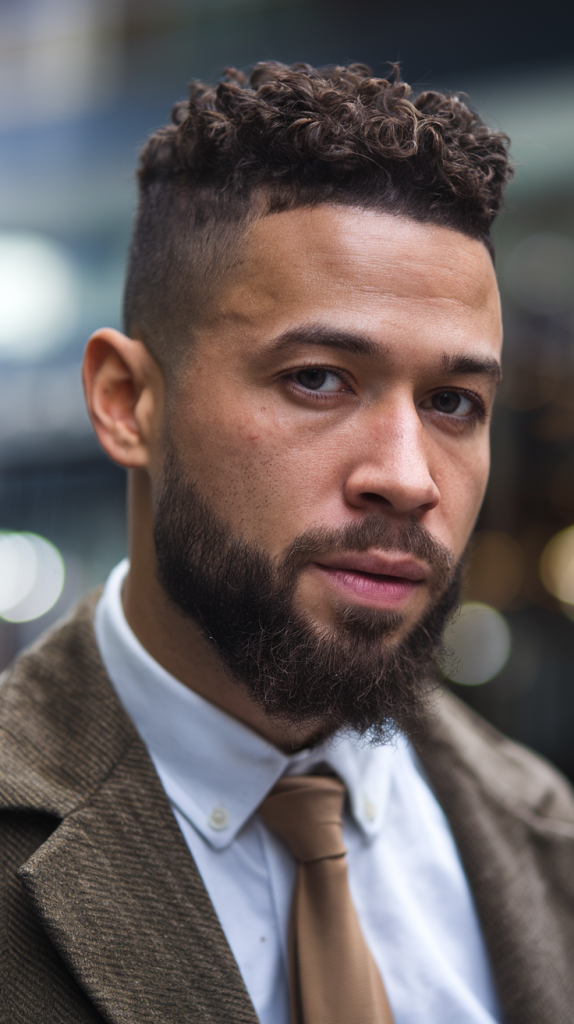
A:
(347, 369)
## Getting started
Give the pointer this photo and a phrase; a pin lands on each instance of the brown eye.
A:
(451, 403)
(317, 378)
(311, 378)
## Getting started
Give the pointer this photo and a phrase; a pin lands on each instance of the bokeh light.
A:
(557, 566)
(478, 642)
(496, 568)
(539, 273)
(38, 295)
(32, 576)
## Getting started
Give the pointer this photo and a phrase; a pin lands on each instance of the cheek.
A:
(261, 475)
(462, 492)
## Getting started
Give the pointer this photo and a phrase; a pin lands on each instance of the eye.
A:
(452, 403)
(317, 378)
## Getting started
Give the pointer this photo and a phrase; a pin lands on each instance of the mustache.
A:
(375, 531)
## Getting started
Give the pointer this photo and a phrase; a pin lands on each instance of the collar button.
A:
(218, 819)
(369, 809)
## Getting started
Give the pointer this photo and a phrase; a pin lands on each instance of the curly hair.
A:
(292, 136)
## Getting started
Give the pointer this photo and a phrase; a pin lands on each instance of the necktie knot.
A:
(306, 811)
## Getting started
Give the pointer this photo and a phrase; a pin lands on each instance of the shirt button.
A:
(218, 819)
(370, 809)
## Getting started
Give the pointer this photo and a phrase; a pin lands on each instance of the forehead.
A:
(388, 276)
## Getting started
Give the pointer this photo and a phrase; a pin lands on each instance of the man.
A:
(231, 789)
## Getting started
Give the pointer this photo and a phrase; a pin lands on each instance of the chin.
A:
(354, 621)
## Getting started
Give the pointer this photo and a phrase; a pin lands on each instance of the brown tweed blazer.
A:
(105, 917)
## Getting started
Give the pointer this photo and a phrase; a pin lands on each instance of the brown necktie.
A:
(333, 977)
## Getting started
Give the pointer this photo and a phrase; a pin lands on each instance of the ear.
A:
(123, 386)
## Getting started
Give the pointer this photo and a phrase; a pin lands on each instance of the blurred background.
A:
(82, 83)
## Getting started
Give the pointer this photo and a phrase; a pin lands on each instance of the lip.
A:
(383, 580)
(383, 564)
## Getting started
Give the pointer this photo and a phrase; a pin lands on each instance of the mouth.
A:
(379, 580)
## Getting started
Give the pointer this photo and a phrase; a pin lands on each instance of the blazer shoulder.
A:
(62, 727)
(504, 769)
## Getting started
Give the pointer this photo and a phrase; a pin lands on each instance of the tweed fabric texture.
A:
(104, 917)
(101, 898)
(512, 816)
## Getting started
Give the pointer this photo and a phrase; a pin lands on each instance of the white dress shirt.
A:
(405, 875)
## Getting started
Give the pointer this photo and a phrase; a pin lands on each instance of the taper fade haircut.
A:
(287, 137)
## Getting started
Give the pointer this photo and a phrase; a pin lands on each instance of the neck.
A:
(176, 641)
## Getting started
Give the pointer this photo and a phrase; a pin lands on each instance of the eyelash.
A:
(478, 414)
(318, 395)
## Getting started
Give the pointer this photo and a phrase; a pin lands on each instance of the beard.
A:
(354, 675)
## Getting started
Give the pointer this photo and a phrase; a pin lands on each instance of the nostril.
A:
(376, 499)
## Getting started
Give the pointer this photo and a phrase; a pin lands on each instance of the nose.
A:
(391, 464)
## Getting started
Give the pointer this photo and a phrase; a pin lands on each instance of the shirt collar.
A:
(215, 770)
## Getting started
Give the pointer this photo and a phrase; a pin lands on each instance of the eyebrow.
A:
(327, 337)
(472, 365)
(358, 344)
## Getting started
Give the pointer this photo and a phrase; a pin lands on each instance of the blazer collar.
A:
(122, 901)
(114, 885)
(512, 816)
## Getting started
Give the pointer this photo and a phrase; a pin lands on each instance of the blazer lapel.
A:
(122, 901)
(114, 885)
(513, 819)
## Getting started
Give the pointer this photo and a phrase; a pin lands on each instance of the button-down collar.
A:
(216, 771)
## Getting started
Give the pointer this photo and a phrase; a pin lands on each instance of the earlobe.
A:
(120, 381)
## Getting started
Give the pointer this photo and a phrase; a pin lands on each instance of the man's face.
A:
(344, 374)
